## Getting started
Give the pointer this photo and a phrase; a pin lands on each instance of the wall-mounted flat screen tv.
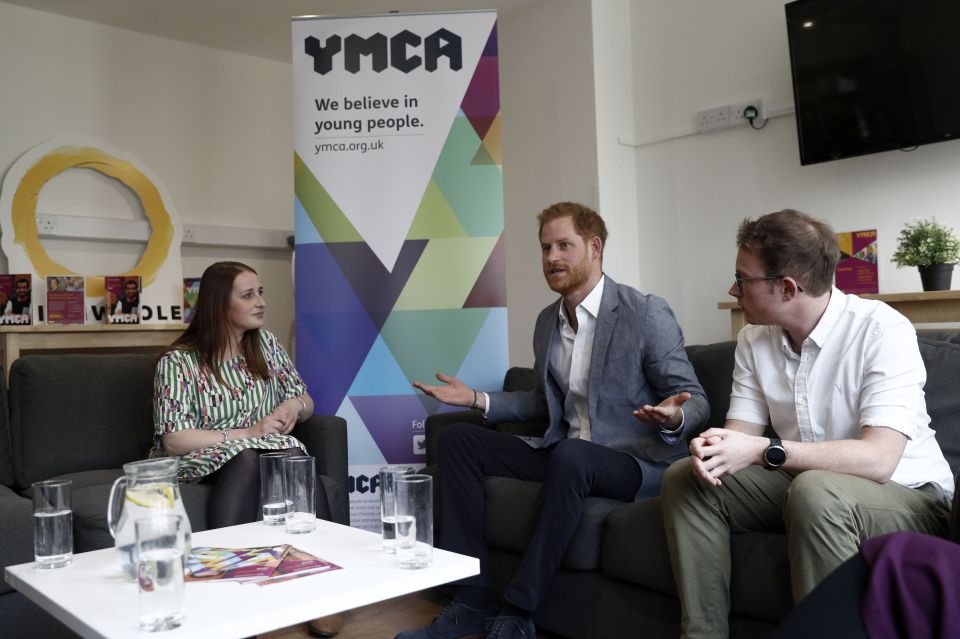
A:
(873, 75)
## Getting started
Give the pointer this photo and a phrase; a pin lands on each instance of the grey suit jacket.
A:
(638, 359)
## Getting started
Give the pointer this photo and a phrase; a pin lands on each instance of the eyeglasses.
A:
(740, 280)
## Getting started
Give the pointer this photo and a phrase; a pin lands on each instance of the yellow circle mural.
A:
(24, 211)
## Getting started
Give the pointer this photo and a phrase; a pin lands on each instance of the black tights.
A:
(236, 490)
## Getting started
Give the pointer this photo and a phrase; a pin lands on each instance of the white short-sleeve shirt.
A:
(860, 367)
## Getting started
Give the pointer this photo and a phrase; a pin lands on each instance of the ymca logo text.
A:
(398, 51)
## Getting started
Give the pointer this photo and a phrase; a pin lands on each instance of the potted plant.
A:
(933, 248)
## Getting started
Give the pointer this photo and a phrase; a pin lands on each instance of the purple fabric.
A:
(914, 587)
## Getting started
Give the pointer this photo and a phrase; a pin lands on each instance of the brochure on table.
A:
(261, 565)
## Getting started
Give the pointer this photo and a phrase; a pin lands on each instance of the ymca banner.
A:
(400, 269)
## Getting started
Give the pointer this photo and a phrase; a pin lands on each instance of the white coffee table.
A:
(92, 597)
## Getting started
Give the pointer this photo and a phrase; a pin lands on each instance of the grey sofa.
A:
(615, 580)
(82, 417)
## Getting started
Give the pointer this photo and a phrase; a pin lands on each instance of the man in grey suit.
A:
(611, 377)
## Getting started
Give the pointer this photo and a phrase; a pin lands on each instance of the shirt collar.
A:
(591, 303)
(829, 318)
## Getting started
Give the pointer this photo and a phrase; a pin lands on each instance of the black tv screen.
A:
(873, 75)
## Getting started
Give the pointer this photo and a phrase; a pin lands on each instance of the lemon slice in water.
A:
(151, 496)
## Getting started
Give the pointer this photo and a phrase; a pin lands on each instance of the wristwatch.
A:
(775, 454)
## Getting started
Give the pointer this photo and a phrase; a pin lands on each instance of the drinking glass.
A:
(388, 505)
(52, 523)
(276, 506)
(299, 485)
(160, 542)
(414, 521)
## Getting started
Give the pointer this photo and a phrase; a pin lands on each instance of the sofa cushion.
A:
(91, 494)
(951, 337)
(511, 513)
(942, 361)
(635, 546)
(519, 378)
(713, 364)
(635, 550)
(97, 409)
(760, 582)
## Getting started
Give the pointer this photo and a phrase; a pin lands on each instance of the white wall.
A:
(214, 126)
(549, 141)
(689, 55)
(616, 159)
(575, 76)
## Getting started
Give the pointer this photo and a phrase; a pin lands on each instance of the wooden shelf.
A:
(927, 307)
(84, 338)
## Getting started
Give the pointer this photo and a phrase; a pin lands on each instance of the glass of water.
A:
(160, 543)
(52, 523)
(414, 521)
(388, 505)
(300, 485)
(276, 506)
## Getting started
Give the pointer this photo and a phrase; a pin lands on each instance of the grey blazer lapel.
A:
(606, 320)
(543, 333)
(543, 338)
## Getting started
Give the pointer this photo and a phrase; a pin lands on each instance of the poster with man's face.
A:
(122, 299)
(15, 297)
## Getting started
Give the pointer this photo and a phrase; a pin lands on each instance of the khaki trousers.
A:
(825, 516)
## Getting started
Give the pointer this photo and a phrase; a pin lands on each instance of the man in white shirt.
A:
(611, 377)
(840, 380)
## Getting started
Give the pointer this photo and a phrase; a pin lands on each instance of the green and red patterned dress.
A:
(185, 396)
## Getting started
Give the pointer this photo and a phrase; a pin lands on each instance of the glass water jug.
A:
(150, 488)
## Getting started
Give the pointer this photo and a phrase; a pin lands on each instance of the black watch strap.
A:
(775, 454)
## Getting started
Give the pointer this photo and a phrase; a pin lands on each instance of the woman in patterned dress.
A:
(226, 391)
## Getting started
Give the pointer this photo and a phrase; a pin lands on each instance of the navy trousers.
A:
(832, 609)
(569, 471)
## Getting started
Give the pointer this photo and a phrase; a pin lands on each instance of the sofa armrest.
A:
(955, 513)
(437, 423)
(16, 531)
(325, 437)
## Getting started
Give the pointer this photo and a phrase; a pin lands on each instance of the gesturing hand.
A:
(454, 393)
(666, 414)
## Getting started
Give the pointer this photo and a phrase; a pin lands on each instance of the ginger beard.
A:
(572, 277)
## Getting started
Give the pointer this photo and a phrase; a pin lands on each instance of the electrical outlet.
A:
(189, 233)
(46, 224)
(712, 119)
(737, 116)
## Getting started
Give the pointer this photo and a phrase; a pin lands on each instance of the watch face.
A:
(775, 456)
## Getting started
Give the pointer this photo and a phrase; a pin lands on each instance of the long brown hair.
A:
(208, 334)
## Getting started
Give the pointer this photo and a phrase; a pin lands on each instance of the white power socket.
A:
(713, 119)
(730, 115)
(737, 116)
(189, 233)
(46, 224)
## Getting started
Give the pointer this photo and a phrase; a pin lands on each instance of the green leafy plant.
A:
(926, 242)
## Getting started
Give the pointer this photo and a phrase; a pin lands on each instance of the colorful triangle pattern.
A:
(365, 333)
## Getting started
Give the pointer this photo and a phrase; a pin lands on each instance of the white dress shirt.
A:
(570, 358)
(570, 361)
(860, 367)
